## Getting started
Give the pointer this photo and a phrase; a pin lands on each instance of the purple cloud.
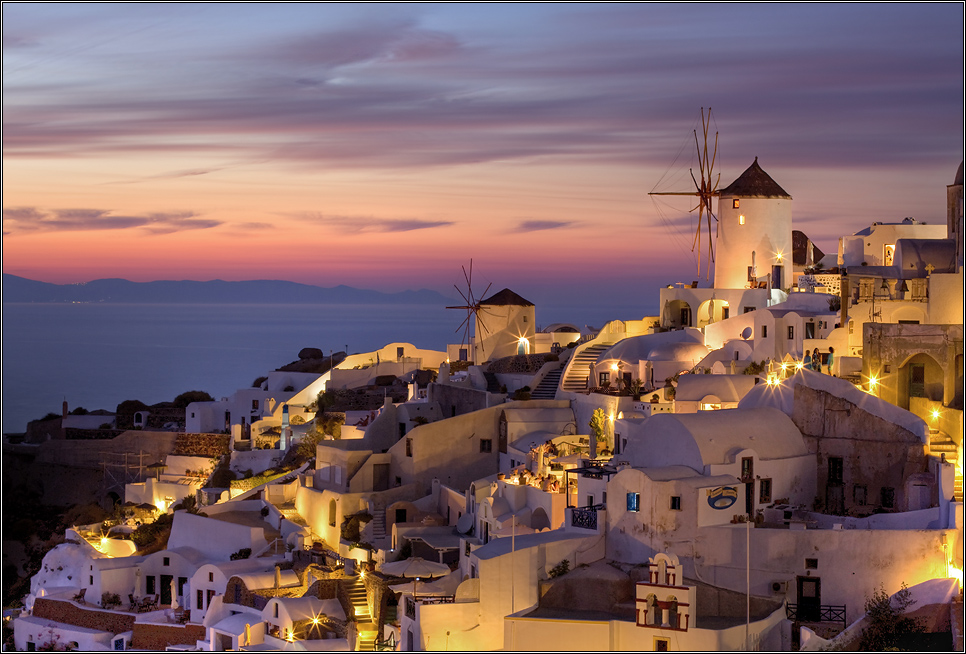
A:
(32, 220)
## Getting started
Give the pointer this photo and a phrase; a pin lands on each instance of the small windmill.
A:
(704, 190)
(472, 307)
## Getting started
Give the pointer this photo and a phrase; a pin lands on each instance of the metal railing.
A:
(585, 518)
(821, 613)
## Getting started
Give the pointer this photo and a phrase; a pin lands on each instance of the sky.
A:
(385, 146)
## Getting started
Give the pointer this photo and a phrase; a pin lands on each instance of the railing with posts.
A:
(586, 518)
(822, 613)
(410, 608)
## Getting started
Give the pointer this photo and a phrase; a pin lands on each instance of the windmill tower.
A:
(474, 318)
(704, 191)
(754, 232)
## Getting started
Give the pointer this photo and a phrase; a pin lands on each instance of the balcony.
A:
(820, 613)
(585, 518)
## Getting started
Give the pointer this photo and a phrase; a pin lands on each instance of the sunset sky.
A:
(383, 146)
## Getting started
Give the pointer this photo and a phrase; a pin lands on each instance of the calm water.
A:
(98, 355)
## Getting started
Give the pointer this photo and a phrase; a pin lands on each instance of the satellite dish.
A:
(746, 333)
(464, 524)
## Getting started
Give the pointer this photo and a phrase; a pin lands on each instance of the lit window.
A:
(634, 502)
(791, 332)
(734, 205)
(741, 219)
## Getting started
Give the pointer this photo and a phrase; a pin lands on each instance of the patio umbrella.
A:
(414, 568)
(174, 595)
(137, 582)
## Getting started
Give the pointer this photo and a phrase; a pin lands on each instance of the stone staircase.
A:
(378, 523)
(940, 443)
(492, 383)
(366, 630)
(576, 378)
(547, 389)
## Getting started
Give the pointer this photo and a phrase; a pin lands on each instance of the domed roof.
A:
(755, 183)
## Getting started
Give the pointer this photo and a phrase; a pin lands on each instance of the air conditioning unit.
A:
(779, 587)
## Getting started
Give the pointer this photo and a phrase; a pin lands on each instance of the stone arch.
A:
(920, 375)
(908, 314)
(539, 519)
(679, 314)
(672, 612)
(711, 311)
(653, 611)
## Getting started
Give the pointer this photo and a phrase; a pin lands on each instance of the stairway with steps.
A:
(940, 443)
(492, 383)
(576, 378)
(378, 523)
(367, 634)
(547, 389)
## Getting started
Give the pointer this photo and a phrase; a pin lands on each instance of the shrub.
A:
(560, 569)
(243, 553)
(259, 381)
(886, 628)
(110, 600)
(522, 393)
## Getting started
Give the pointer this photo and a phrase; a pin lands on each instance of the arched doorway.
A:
(678, 314)
(539, 520)
(920, 377)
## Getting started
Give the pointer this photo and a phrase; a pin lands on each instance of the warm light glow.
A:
(784, 366)
(957, 574)
(935, 414)
(290, 635)
(611, 417)
(315, 620)
(741, 219)
(620, 415)
(778, 256)
(799, 365)
(873, 381)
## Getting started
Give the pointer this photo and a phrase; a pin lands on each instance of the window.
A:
(409, 447)
(208, 597)
(764, 491)
(747, 468)
(590, 500)
(810, 330)
(166, 561)
(747, 309)
(811, 564)
(634, 502)
(735, 204)
(764, 331)
(211, 576)
(791, 332)
(725, 312)
(254, 405)
(486, 445)
(192, 414)
(859, 494)
(888, 498)
(200, 600)
(675, 502)
(604, 379)
(400, 352)
(90, 580)
(662, 645)
(741, 219)
(151, 580)
(524, 318)
(275, 612)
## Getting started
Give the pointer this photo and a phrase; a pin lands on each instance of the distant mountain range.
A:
(20, 289)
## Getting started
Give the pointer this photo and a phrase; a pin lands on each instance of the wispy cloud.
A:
(33, 220)
(360, 224)
(541, 225)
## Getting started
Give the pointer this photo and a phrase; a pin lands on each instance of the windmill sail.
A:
(705, 188)
(473, 310)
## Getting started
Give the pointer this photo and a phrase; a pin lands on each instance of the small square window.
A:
(811, 564)
(859, 494)
(211, 576)
(409, 447)
(166, 560)
(675, 502)
(791, 332)
(486, 445)
(887, 368)
(603, 379)
(741, 219)
(736, 203)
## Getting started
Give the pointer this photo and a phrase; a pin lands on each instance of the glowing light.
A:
(613, 366)
(957, 574)
(315, 620)
(290, 635)
(935, 414)
(873, 381)
(741, 219)
(778, 256)
(611, 417)
(799, 365)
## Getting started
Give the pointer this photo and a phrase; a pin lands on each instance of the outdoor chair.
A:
(133, 601)
(79, 597)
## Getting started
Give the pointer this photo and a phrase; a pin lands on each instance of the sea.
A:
(96, 355)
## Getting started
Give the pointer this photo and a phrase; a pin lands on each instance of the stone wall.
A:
(156, 637)
(456, 400)
(207, 445)
(69, 613)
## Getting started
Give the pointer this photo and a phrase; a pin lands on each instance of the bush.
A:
(243, 553)
(110, 600)
(153, 533)
(259, 381)
(560, 569)
(522, 393)
(887, 628)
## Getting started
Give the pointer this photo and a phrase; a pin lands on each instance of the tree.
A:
(186, 398)
(886, 622)
(598, 424)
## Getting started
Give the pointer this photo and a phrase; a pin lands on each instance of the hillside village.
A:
(740, 471)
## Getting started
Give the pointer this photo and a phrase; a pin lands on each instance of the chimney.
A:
(65, 409)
